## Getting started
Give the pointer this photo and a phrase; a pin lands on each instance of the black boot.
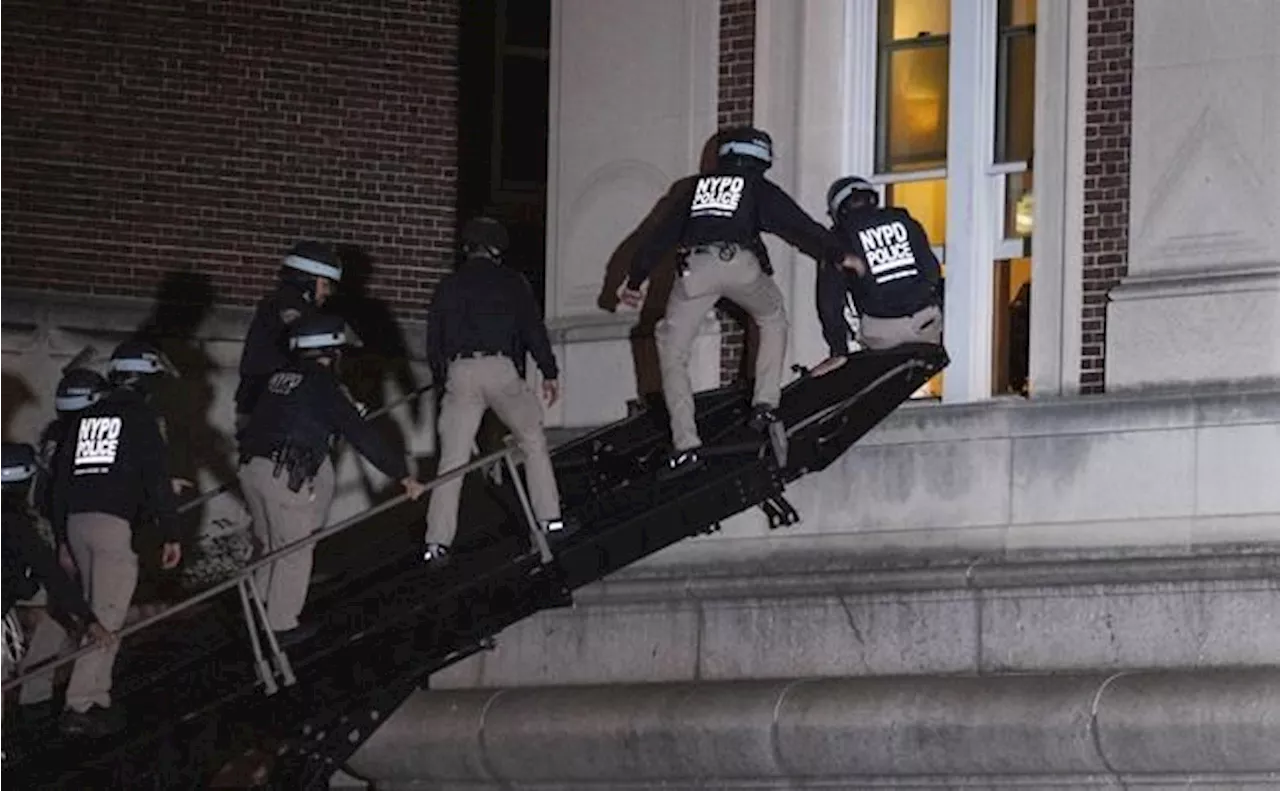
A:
(681, 462)
(436, 555)
(95, 723)
(560, 528)
(766, 421)
(291, 637)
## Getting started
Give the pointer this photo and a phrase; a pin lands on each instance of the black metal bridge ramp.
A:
(199, 695)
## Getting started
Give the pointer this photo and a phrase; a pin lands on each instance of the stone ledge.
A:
(1089, 730)
(828, 575)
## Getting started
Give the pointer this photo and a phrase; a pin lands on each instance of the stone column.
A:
(633, 102)
(1201, 300)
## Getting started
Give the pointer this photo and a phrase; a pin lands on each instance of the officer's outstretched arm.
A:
(533, 331)
(830, 295)
(670, 213)
(435, 331)
(152, 461)
(344, 418)
(781, 215)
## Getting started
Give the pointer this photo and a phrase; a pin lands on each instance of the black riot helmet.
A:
(484, 236)
(850, 194)
(139, 365)
(745, 148)
(309, 262)
(318, 335)
(19, 462)
(79, 389)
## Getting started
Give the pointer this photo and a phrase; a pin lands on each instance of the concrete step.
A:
(978, 616)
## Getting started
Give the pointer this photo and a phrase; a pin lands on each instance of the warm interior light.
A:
(1024, 215)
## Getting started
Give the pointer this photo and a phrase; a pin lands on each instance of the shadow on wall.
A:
(643, 347)
(15, 394)
(182, 303)
(382, 356)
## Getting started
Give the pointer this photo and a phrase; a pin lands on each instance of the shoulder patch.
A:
(284, 382)
(290, 315)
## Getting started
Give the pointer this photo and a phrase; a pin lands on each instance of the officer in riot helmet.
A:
(482, 322)
(308, 276)
(715, 221)
(79, 389)
(29, 565)
(895, 296)
(286, 473)
(110, 476)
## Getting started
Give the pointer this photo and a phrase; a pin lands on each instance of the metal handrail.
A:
(205, 497)
(510, 452)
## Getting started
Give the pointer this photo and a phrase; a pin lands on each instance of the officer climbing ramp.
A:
(202, 696)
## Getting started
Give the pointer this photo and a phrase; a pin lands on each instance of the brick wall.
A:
(736, 106)
(1106, 183)
(144, 136)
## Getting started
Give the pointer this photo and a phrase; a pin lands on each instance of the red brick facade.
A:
(142, 137)
(1108, 124)
(736, 106)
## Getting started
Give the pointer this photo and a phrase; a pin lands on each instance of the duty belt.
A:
(474, 355)
(727, 251)
(299, 462)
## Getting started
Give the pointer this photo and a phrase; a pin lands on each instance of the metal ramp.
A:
(198, 695)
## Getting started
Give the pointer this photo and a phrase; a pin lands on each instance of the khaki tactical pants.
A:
(281, 517)
(48, 640)
(707, 279)
(472, 385)
(923, 326)
(102, 546)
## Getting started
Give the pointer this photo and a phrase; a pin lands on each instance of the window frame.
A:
(884, 57)
(976, 181)
(502, 189)
(1006, 34)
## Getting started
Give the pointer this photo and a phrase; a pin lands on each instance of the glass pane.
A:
(1017, 13)
(1011, 333)
(906, 19)
(524, 119)
(1018, 205)
(1016, 103)
(528, 23)
(915, 137)
(926, 201)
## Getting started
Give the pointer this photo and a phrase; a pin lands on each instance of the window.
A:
(1013, 152)
(1015, 80)
(1011, 333)
(912, 159)
(927, 202)
(913, 55)
(911, 110)
(520, 111)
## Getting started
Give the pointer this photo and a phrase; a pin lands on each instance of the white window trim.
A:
(976, 185)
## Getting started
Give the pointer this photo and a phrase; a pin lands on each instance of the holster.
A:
(300, 463)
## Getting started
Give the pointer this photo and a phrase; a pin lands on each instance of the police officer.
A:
(892, 290)
(78, 389)
(716, 219)
(482, 322)
(308, 276)
(111, 474)
(29, 564)
(285, 470)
